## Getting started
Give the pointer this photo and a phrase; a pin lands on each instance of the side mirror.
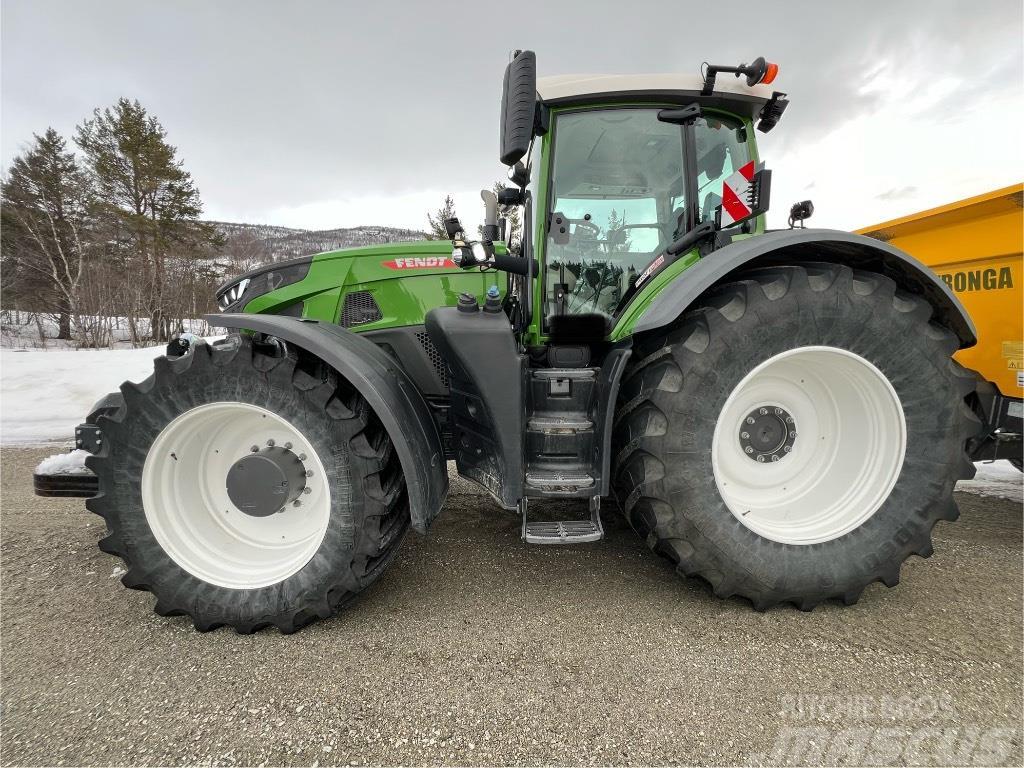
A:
(519, 175)
(518, 106)
(452, 227)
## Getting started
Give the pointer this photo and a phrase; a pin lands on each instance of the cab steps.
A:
(563, 531)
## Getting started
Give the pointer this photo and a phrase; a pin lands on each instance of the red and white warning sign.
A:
(736, 195)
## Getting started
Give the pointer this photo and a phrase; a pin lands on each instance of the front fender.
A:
(794, 246)
(386, 387)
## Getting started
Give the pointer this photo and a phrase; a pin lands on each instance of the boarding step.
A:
(564, 373)
(559, 424)
(564, 531)
(556, 481)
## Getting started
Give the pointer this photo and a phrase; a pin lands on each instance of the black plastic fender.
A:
(386, 387)
(794, 246)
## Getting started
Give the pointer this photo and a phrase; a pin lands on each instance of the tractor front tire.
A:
(797, 436)
(248, 485)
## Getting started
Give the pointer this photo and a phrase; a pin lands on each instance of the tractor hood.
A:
(400, 282)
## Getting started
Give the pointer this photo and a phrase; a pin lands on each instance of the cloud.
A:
(322, 112)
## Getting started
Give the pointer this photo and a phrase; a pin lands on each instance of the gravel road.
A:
(476, 649)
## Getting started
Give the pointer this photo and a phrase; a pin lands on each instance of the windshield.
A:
(618, 184)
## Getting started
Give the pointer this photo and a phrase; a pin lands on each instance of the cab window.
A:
(721, 150)
(618, 184)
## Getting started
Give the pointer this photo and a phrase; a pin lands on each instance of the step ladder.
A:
(563, 531)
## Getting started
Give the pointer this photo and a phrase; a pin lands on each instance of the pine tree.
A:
(47, 203)
(435, 222)
(150, 204)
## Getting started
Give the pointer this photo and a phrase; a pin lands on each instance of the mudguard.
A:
(793, 246)
(386, 387)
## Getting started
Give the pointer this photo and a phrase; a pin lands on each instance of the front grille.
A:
(440, 367)
(360, 308)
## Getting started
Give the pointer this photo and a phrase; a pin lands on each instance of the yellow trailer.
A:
(976, 246)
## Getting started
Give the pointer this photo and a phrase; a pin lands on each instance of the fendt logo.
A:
(420, 262)
(979, 280)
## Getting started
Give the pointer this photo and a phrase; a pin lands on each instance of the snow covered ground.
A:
(998, 478)
(23, 329)
(44, 393)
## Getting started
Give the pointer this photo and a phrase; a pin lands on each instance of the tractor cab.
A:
(621, 178)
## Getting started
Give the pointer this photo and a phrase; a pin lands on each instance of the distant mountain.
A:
(260, 243)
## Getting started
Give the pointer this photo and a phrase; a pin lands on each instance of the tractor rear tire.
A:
(233, 548)
(796, 437)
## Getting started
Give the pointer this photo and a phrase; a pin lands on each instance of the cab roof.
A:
(731, 93)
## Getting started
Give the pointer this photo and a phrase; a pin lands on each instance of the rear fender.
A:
(794, 246)
(386, 387)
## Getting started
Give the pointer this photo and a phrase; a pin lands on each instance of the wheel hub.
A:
(265, 481)
(767, 434)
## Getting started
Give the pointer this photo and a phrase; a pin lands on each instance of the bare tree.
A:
(46, 214)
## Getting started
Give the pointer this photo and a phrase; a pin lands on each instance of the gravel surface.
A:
(476, 649)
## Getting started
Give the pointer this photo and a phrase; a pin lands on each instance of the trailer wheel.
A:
(248, 486)
(797, 436)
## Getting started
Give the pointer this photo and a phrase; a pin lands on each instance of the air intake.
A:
(360, 308)
(440, 368)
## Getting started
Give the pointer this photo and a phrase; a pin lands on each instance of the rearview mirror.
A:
(518, 106)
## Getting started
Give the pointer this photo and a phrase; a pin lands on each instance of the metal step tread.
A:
(562, 532)
(564, 373)
(559, 423)
(555, 479)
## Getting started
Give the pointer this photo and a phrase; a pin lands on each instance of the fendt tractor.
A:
(776, 412)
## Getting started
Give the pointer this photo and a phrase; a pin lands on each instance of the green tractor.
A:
(776, 412)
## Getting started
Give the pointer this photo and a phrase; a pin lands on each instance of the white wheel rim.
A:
(846, 455)
(189, 511)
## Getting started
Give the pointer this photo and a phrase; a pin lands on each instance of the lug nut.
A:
(296, 503)
(788, 448)
(749, 449)
(255, 449)
(307, 490)
(763, 411)
(775, 458)
(750, 419)
(288, 446)
(270, 443)
(302, 457)
(744, 435)
(309, 473)
(760, 459)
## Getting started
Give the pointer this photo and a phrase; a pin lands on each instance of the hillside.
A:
(264, 242)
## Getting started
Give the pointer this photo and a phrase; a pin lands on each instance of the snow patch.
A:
(46, 393)
(996, 478)
(72, 463)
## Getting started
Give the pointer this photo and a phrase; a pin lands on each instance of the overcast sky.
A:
(325, 114)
